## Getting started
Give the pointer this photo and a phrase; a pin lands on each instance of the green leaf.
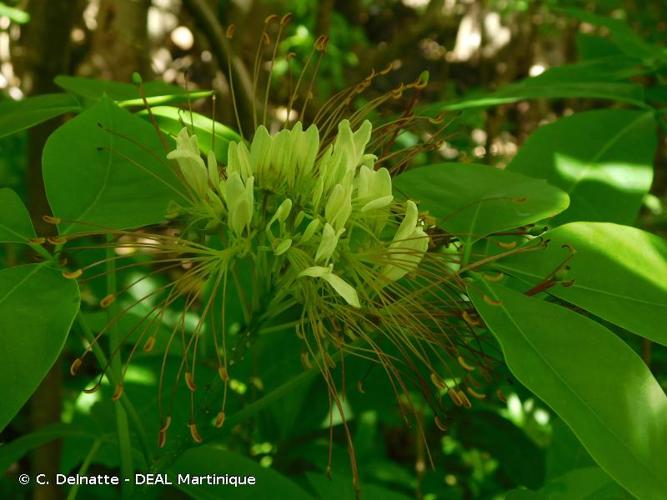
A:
(15, 223)
(619, 273)
(210, 459)
(620, 33)
(171, 120)
(595, 79)
(603, 159)
(18, 448)
(20, 115)
(37, 307)
(590, 378)
(127, 94)
(476, 200)
(16, 15)
(115, 175)
(589, 483)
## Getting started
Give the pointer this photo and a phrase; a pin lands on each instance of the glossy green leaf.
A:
(603, 159)
(20, 115)
(590, 378)
(15, 223)
(127, 94)
(213, 460)
(476, 200)
(115, 175)
(171, 120)
(595, 79)
(589, 483)
(619, 273)
(37, 307)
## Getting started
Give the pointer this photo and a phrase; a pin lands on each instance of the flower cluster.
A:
(315, 212)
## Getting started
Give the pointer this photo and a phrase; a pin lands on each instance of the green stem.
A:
(124, 399)
(84, 467)
(126, 465)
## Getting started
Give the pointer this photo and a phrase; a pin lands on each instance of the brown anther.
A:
(290, 56)
(321, 43)
(569, 247)
(475, 394)
(220, 419)
(161, 439)
(422, 81)
(286, 19)
(189, 380)
(465, 365)
(56, 240)
(266, 39)
(51, 220)
(501, 395)
(472, 320)
(329, 361)
(506, 246)
(436, 120)
(493, 278)
(490, 301)
(389, 67)
(165, 426)
(38, 241)
(222, 373)
(74, 367)
(229, 33)
(72, 275)
(107, 301)
(305, 360)
(93, 389)
(196, 437)
(439, 424)
(464, 400)
(270, 18)
(150, 343)
(454, 396)
(118, 392)
(437, 381)
(397, 92)
(360, 387)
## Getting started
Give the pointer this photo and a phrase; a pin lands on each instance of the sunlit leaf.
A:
(603, 159)
(595, 79)
(619, 273)
(172, 120)
(126, 94)
(476, 200)
(590, 378)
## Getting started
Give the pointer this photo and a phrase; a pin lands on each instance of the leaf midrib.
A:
(577, 397)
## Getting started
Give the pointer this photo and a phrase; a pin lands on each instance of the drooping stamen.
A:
(284, 21)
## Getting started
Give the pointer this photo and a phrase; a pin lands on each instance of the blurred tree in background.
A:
(512, 79)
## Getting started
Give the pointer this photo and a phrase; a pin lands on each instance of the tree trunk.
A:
(46, 47)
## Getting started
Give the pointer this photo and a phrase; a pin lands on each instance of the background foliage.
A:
(556, 126)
